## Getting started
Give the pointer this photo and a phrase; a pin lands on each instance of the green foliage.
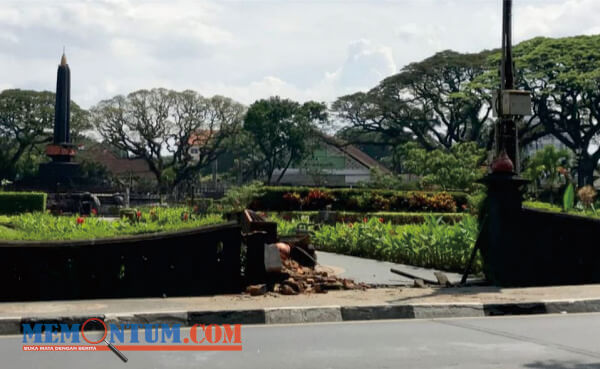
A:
(358, 199)
(433, 244)
(350, 217)
(281, 129)
(161, 126)
(454, 169)
(384, 181)
(26, 120)
(565, 90)
(430, 102)
(559, 209)
(543, 169)
(569, 198)
(542, 206)
(44, 226)
(22, 202)
(240, 197)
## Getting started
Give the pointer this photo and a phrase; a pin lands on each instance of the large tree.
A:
(564, 76)
(160, 126)
(431, 102)
(281, 129)
(26, 121)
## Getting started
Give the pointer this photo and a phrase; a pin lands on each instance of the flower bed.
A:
(45, 227)
(364, 200)
(397, 218)
(433, 244)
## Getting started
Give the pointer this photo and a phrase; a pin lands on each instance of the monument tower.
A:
(61, 170)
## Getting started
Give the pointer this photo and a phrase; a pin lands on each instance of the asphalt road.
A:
(549, 341)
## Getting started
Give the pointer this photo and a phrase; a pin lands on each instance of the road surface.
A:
(549, 341)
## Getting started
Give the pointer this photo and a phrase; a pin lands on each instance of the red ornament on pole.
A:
(502, 164)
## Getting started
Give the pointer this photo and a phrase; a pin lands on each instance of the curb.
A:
(317, 314)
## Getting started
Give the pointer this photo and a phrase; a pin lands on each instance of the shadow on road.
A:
(553, 364)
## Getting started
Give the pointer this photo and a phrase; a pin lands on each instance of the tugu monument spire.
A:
(61, 169)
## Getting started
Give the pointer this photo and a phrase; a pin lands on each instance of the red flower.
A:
(464, 206)
(94, 212)
(381, 220)
(185, 216)
(138, 214)
(80, 220)
(365, 220)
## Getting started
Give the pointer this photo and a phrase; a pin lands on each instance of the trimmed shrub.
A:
(394, 218)
(22, 202)
(431, 244)
(358, 199)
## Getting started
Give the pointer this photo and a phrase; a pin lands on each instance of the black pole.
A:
(506, 135)
(62, 108)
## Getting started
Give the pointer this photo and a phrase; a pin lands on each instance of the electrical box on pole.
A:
(512, 103)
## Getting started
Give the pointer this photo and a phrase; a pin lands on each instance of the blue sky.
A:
(249, 49)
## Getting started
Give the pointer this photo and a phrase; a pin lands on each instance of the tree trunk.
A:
(285, 169)
(585, 171)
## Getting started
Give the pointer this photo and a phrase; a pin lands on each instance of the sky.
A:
(252, 49)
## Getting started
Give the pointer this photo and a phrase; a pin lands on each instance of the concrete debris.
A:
(272, 258)
(419, 283)
(257, 289)
(442, 279)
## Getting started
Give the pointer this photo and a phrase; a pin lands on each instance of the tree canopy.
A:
(160, 126)
(26, 122)
(446, 99)
(431, 102)
(281, 129)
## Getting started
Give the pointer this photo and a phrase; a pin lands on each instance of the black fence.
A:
(534, 247)
(191, 262)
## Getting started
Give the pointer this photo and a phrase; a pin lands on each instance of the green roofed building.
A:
(332, 163)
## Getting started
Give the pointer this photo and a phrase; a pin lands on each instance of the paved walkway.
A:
(376, 272)
(377, 296)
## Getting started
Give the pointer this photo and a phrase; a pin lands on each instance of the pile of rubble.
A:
(290, 264)
(295, 279)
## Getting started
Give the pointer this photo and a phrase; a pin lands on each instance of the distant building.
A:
(119, 165)
(331, 164)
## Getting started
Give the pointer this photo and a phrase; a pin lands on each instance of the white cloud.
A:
(558, 18)
(253, 49)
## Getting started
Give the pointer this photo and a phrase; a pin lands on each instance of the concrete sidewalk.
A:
(381, 303)
(375, 272)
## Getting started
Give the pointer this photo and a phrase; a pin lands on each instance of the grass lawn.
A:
(45, 227)
(557, 209)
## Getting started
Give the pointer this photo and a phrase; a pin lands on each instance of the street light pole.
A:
(506, 129)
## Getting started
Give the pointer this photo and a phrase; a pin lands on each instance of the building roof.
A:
(355, 153)
(104, 155)
(201, 137)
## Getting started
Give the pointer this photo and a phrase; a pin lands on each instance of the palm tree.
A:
(545, 168)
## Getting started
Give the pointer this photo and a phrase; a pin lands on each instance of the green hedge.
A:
(432, 244)
(22, 202)
(359, 199)
(394, 218)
